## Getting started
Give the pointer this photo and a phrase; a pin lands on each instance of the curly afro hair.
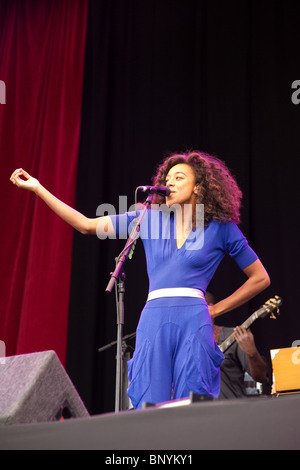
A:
(217, 188)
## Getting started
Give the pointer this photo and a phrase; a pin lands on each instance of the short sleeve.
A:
(236, 245)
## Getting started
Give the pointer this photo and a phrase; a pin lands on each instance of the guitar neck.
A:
(247, 323)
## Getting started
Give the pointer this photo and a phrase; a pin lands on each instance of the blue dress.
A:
(175, 351)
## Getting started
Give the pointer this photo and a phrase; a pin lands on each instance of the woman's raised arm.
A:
(85, 225)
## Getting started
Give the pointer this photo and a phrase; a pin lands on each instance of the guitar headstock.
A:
(270, 306)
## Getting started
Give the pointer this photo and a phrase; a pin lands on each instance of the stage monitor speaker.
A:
(36, 388)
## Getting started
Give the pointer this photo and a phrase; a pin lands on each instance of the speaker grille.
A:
(36, 388)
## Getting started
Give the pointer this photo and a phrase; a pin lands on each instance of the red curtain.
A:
(42, 45)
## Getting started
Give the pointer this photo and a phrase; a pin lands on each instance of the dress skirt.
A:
(175, 352)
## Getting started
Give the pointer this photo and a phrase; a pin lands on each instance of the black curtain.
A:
(171, 75)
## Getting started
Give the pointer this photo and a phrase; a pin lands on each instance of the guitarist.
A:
(242, 356)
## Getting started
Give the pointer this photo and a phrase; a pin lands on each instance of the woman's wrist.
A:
(37, 189)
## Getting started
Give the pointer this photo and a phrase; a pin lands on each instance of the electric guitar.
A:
(267, 309)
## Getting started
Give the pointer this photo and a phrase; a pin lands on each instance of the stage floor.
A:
(251, 423)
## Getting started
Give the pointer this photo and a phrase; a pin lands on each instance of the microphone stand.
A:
(118, 278)
(126, 357)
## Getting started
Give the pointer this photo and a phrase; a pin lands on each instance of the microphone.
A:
(161, 190)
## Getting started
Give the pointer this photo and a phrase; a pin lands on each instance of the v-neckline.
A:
(179, 248)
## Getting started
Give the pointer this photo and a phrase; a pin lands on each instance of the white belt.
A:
(175, 292)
